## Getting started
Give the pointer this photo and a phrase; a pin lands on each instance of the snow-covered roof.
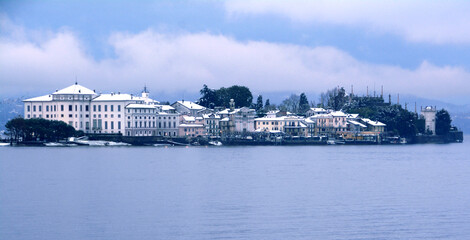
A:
(318, 110)
(166, 107)
(308, 120)
(116, 97)
(211, 116)
(45, 98)
(190, 125)
(374, 123)
(191, 105)
(228, 111)
(338, 114)
(135, 105)
(226, 119)
(189, 118)
(357, 123)
(75, 89)
(270, 118)
(324, 115)
(353, 115)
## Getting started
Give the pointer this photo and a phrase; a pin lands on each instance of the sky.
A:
(418, 48)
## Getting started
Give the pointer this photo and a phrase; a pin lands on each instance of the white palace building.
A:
(112, 113)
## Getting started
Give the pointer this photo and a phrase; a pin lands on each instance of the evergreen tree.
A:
(303, 104)
(443, 122)
(259, 103)
(208, 98)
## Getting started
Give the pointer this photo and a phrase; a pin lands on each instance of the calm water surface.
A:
(300, 192)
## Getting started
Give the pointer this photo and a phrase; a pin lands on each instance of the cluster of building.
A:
(129, 115)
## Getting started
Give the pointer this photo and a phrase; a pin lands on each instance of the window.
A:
(29, 108)
(86, 108)
(105, 108)
(34, 108)
(76, 108)
(99, 108)
(94, 108)
(105, 124)
(119, 108)
(128, 124)
(70, 108)
(112, 125)
(112, 108)
(81, 108)
(47, 108)
(119, 125)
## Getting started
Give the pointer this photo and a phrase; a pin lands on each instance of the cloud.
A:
(186, 61)
(436, 22)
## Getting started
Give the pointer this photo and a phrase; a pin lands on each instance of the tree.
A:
(241, 95)
(15, 128)
(303, 104)
(290, 104)
(209, 97)
(443, 122)
(259, 103)
(334, 99)
(39, 129)
(268, 106)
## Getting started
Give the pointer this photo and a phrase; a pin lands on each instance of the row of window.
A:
(140, 110)
(106, 116)
(105, 107)
(97, 124)
(151, 133)
(143, 124)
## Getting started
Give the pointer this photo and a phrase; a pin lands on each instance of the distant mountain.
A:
(10, 108)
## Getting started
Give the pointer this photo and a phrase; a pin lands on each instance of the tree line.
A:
(20, 129)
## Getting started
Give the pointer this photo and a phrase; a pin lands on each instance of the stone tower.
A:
(429, 114)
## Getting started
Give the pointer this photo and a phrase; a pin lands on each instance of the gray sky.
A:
(409, 47)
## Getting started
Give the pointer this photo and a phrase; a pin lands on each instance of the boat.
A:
(162, 145)
(115, 144)
(341, 142)
(331, 142)
(4, 144)
(215, 143)
(403, 141)
(57, 144)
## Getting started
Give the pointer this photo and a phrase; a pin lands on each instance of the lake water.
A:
(266, 192)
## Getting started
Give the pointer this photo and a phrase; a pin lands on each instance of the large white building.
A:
(90, 112)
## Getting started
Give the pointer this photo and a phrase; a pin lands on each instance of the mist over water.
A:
(271, 192)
